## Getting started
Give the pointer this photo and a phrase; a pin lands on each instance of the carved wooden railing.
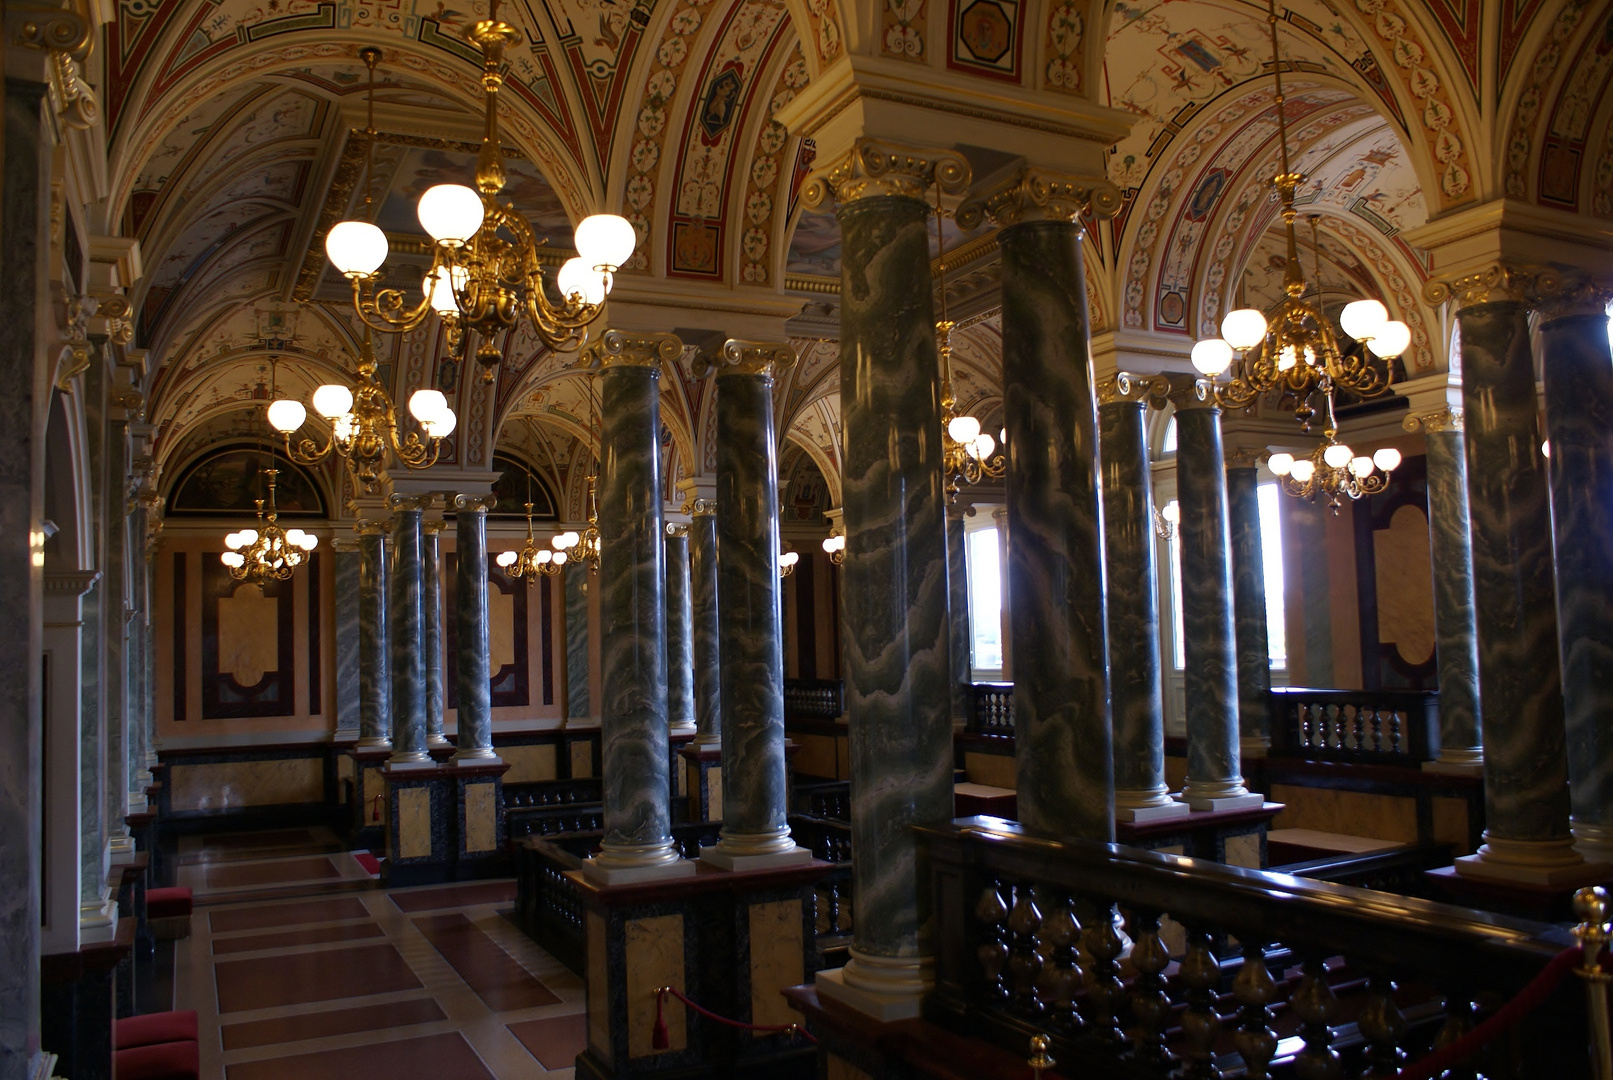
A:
(551, 807)
(822, 799)
(1396, 727)
(814, 699)
(991, 709)
(1230, 971)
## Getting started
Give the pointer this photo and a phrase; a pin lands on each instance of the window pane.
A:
(1271, 550)
(1167, 445)
(985, 600)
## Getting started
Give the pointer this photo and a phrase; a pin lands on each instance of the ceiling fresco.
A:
(230, 122)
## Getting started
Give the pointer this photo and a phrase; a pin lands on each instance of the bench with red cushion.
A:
(162, 1061)
(168, 903)
(154, 1028)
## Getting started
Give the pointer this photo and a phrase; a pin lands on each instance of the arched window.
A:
(517, 484)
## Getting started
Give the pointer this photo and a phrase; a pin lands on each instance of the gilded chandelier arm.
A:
(410, 449)
(385, 309)
(308, 452)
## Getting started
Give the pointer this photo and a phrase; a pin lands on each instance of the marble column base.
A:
(437, 741)
(400, 762)
(471, 756)
(1144, 806)
(886, 988)
(685, 727)
(98, 920)
(1531, 862)
(1254, 746)
(1215, 795)
(704, 740)
(1458, 761)
(377, 741)
(734, 860)
(1593, 842)
(628, 865)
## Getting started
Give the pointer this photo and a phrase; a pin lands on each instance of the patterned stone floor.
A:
(299, 965)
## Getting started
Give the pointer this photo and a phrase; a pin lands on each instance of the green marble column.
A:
(1214, 761)
(472, 662)
(1578, 366)
(707, 628)
(1137, 701)
(1525, 760)
(1253, 644)
(575, 580)
(431, 630)
(1451, 554)
(374, 668)
(632, 606)
(958, 615)
(405, 611)
(895, 576)
(1063, 751)
(756, 830)
(679, 633)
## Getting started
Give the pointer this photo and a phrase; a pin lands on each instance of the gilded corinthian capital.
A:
(1554, 291)
(626, 348)
(874, 167)
(1039, 195)
(1124, 386)
(1446, 419)
(768, 359)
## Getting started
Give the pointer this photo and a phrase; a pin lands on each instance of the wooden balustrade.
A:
(991, 709)
(1272, 975)
(814, 699)
(1398, 727)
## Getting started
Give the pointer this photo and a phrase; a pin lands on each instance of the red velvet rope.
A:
(1507, 1016)
(659, 1040)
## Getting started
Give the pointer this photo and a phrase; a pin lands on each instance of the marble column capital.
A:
(473, 503)
(1552, 290)
(766, 358)
(873, 167)
(1569, 294)
(1040, 195)
(700, 508)
(1242, 458)
(344, 546)
(627, 348)
(1447, 419)
(675, 528)
(433, 526)
(369, 527)
(409, 502)
(1125, 387)
(1187, 393)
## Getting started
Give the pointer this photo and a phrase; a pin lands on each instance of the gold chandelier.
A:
(485, 272)
(364, 424)
(1295, 350)
(582, 547)
(267, 553)
(968, 455)
(532, 560)
(834, 545)
(1334, 471)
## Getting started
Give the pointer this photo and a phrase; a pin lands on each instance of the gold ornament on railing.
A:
(1334, 471)
(267, 553)
(1295, 350)
(486, 273)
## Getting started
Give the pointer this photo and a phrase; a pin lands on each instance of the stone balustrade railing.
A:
(991, 709)
(1229, 971)
(1396, 727)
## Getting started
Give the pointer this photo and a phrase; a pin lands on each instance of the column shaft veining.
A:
(707, 628)
(679, 633)
(1451, 553)
(958, 616)
(406, 615)
(374, 659)
(894, 576)
(575, 578)
(1063, 749)
(474, 688)
(1136, 699)
(1214, 777)
(431, 629)
(750, 640)
(1253, 643)
(1520, 688)
(632, 605)
(1578, 366)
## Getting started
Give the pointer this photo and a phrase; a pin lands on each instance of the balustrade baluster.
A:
(1383, 1025)
(1315, 1004)
(1358, 727)
(1397, 732)
(1024, 962)
(992, 911)
(1103, 944)
(1061, 965)
(1376, 718)
(1201, 1024)
(1255, 990)
(1458, 1022)
(1149, 1003)
(1306, 723)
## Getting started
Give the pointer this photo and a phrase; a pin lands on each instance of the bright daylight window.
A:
(1271, 551)
(983, 552)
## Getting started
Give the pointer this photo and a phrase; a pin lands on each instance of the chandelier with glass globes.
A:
(486, 273)
(834, 546)
(1294, 350)
(531, 561)
(1333, 471)
(267, 553)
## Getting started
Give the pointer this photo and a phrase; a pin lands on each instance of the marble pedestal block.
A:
(732, 942)
(367, 821)
(702, 768)
(76, 1004)
(444, 822)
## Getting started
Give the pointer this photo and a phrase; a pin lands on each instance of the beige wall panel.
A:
(414, 823)
(1353, 813)
(776, 952)
(995, 770)
(582, 759)
(654, 949)
(226, 785)
(481, 818)
(529, 764)
(1450, 823)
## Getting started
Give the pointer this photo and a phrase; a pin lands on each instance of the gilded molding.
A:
(701, 508)
(1446, 419)
(1245, 459)
(768, 359)
(677, 528)
(1124, 386)
(1040, 195)
(475, 502)
(619, 348)
(344, 546)
(74, 359)
(1494, 283)
(410, 502)
(873, 167)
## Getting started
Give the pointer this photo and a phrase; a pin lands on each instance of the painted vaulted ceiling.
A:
(235, 136)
